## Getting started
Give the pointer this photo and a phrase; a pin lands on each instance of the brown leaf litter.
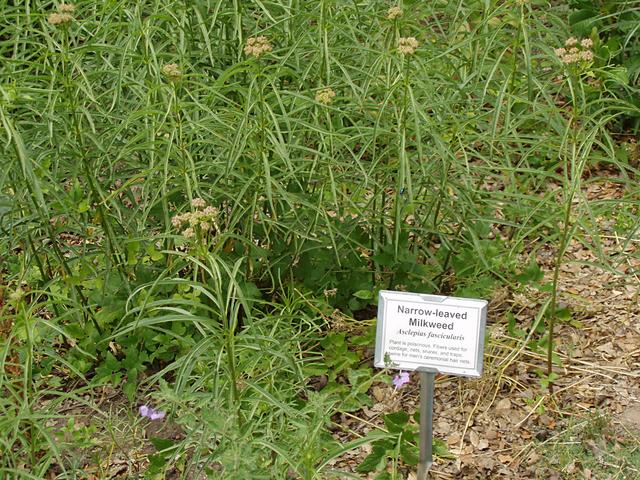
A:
(494, 425)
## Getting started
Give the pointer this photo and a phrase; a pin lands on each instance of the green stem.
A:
(402, 160)
(230, 347)
(564, 240)
(572, 175)
(28, 379)
(188, 167)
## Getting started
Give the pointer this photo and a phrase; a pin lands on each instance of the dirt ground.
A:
(505, 425)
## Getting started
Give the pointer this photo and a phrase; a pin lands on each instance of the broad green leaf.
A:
(374, 460)
(364, 294)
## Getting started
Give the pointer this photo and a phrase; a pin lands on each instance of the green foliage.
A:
(400, 443)
(347, 378)
(615, 24)
(430, 172)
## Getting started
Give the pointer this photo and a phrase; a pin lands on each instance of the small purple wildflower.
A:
(401, 379)
(151, 413)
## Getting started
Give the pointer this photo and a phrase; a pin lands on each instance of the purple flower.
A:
(151, 413)
(400, 379)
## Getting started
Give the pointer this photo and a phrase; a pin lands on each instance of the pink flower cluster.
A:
(575, 51)
(203, 219)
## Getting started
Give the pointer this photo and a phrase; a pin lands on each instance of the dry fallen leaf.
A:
(378, 393)
(631, 417)
(443, 427)
(503, 405)
(474, 438)
(607, 348)
(453, 438)
(533, 458)
(486, 462)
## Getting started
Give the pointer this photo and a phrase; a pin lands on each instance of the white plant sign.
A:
(430, 333)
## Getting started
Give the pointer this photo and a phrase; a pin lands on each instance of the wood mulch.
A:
(500, 425)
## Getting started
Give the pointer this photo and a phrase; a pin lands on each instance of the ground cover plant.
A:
(200, 201)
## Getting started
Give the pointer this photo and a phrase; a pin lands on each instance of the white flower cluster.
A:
(394, 12)
(325, 96)
(407, 45)
(63, 15)
(172, 72)
(574, 51)
(203, 219)
(257, 46)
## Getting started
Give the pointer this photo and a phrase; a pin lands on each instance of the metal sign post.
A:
(426, 424)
